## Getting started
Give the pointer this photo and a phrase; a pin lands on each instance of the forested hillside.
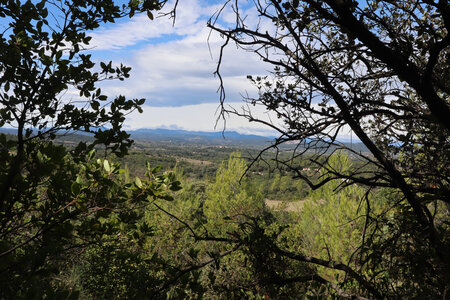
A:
(86, 212)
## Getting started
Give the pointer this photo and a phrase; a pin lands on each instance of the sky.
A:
(173, 67)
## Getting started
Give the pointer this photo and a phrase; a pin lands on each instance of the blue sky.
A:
(173, 66)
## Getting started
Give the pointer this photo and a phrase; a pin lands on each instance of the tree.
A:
(331, 224)
(379, 69)
(54, 200)
(222, 253)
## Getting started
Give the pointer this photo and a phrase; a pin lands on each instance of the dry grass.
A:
(284, 205)
(194, 161)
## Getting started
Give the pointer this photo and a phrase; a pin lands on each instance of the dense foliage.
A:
(53, 201)
(82, 221)
(379, 69)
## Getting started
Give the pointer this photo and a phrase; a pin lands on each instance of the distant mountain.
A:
(231, 138)
(175, 136)
(8, 130)
(175, 132)
(199, 137)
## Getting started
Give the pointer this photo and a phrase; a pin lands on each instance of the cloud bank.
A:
(173, 67)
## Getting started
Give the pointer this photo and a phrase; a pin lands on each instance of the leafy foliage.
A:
(376, 68)
(54, 202)
(73, 224)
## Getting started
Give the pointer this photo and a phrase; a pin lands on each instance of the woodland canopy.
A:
(74, 224)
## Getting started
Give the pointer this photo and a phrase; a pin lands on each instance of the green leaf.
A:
(175, 186)
(106, 166)
(91, 154)
(168, 197)
(40, 157)
(75, 188)
(95, 105)
(156, 169)
(138, 182)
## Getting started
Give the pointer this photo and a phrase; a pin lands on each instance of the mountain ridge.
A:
(181, 136)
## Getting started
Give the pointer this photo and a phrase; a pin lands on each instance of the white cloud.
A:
(173, 66)
(190, 13)
(180, 72)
